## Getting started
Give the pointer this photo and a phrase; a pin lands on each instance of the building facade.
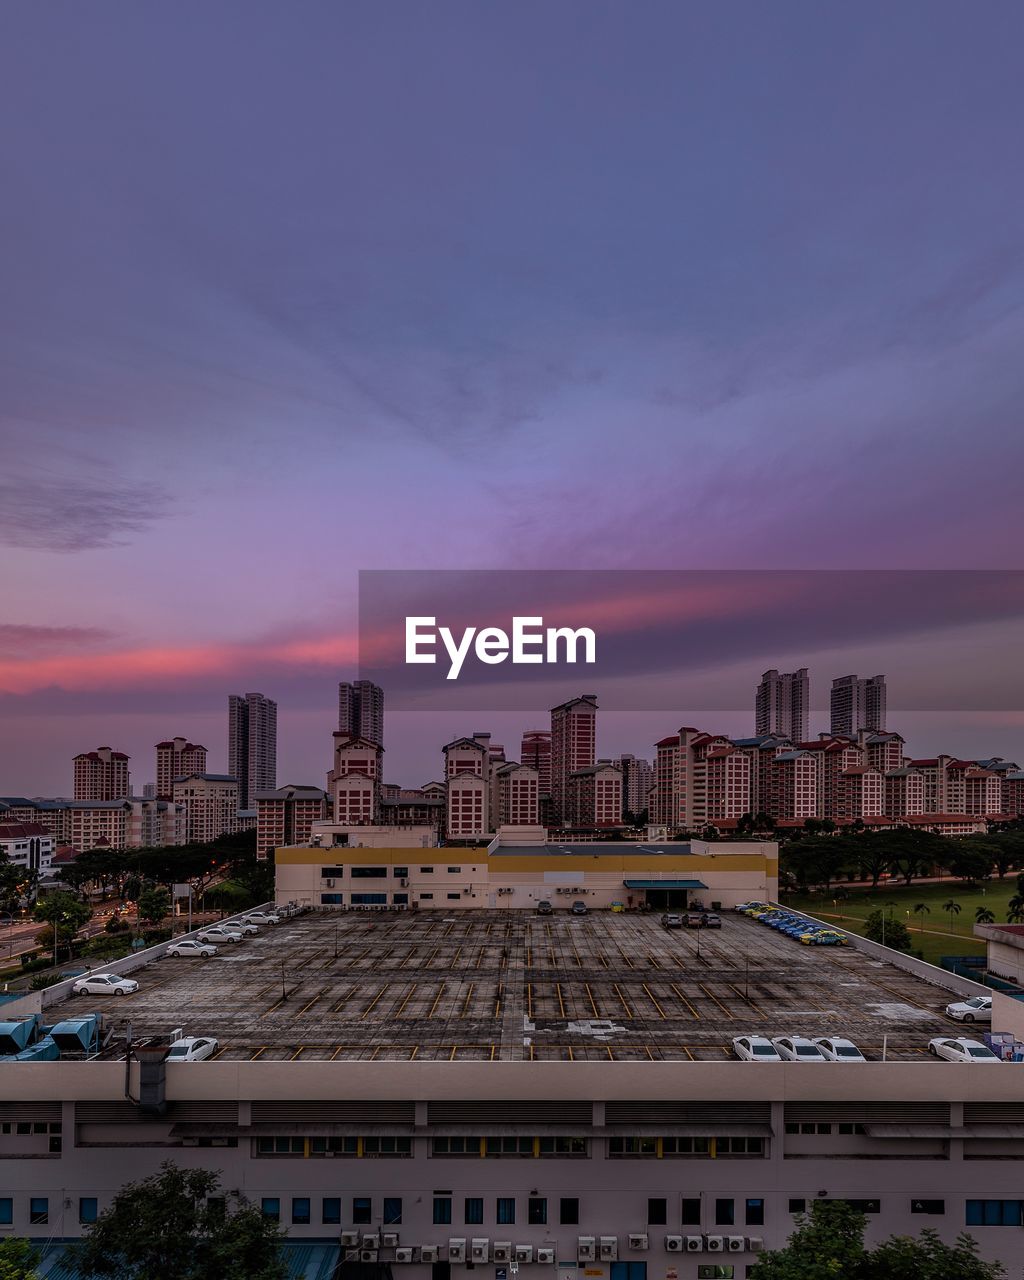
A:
(101, 775)
(858, 703)
(252, 744)
(361, 710)
(287, 815)
(211, 805)
(176, 758)
(573, 746)
(782, 704)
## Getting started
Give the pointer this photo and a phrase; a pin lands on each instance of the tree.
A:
(983, 915)
(952, 909)
(921, 909)
(65, 915)
(178, 1223)
(886, 929)
(153, 905)
(926, 1257)
(826, 1244)
(17, 1259)
(1015, 909)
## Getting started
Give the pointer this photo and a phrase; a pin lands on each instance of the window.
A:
(657, 1213)
(797, 1206)
(401, 873)
(370, 899)
(369, 873)
(452, 896)
(300, 1211)
(362, 1211)
(562, 1146)
(851, 1128)
(755, 1213)
(332, 899)
(509, 1146)
(426, 871)
(474, 1211)
(427, 897)
(330, 1214)
(392, 1210)
(569, 1211)
(994, 1213)
(56, 1144)
(271, 1207)
(725, 1213)
(442, 1211)
(716, 1271)
(454, 871)
(87, 1209)
(863, 1206)
(505, 1211)
(691, 1212)
(927, 1206)
(39, 1211)
(537, 1211)
(6, 1211)
(331, 873)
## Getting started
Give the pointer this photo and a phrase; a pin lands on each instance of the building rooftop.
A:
(495, 985)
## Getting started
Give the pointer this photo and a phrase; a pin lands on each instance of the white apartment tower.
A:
(782, 703)
(857, 703)
(361, 710)
(176, 758)
(252, 744)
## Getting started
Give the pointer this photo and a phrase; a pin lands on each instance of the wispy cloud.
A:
(74, 515)
(20, 640)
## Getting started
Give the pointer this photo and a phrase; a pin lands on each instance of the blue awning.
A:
(664, 884)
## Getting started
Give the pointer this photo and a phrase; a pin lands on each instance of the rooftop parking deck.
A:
(516, 986)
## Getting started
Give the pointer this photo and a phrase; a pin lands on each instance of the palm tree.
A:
(1015, 909)
(921, 910)
(952, 909)
(982, 915)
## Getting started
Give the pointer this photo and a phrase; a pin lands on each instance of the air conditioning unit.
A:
(637, 1242)
(428, 1253)
(371, 1241)
(329, 884)
(479, 1250)
(673, 1244)
(390, 1239)
(755, 1244)
(349, 1238)
(716, 1244)
(546, 1256)
(456, 1251)
(404, 883)
(694, 1244)
(368, 1255)
(502, 1251)
(586, 1249)
(734, 1244)
(407, 1254)
(524, 1253)
(609, 1248)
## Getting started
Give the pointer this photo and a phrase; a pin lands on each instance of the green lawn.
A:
(940, 935)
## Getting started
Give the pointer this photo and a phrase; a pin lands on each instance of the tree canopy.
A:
(17, 1259)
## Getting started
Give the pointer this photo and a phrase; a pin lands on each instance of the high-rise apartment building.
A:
(518, 796)
(573, 746)
(361, 710)
(101, 775)
(782, 703)
(355, 780)
(637, 781)
(467, 771)
(211, 805)
(252, 744)
(595, 795)
(286, 816)
(857, 703)
(176, 758)
(535, 751)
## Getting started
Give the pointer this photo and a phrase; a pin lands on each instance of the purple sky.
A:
(291, 292)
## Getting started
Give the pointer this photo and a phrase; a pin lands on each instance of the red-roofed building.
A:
(29, 845)
(101, 775)
(177, 758)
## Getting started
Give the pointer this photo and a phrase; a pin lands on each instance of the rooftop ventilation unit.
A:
(546, 1256)
(586, 1249)
(524, 1253)
(428, 1253)
(367, 1255)
(716, 1244)
(734, 1244)
(479, 1250)
(755, 1244)
(456, 1251)
(405, 1255)
(637, 1242)
(502, 1251)
(694, 1244)
(673, 1244)
(609, 1248)
(390, 1240)
(371, 1241)
(349, 1238)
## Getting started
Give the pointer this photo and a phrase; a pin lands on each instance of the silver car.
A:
(974, 1009)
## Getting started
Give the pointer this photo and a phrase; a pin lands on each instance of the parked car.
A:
(105, 984)
(755, 1049)
(959, 1049)
(712, 920)
(579, 907)
(219, 933)
(694, 919)
(192, 1049)
(798, 1049)
(544, 907)
(261, 917)
(243, 925)
(744, 907)
(974, 1009)
(671, 920)
(824, 938)
(192, 947)
(839, 1049)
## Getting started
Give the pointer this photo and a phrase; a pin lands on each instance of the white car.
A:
(839, 1049)
(798, 1049)
(105, 984)
(960, 1049)
(218, 933)
(755, 1049)
(244, 925)
(261, 917)
(974, 1009)
(192, 1049)
(192, 947)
